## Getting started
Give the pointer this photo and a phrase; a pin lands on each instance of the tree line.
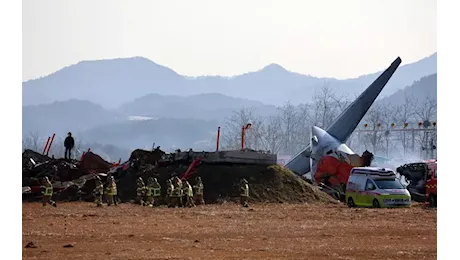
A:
(288, 131)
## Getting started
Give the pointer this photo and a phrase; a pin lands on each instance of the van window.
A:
(389, 184)
(370, 185)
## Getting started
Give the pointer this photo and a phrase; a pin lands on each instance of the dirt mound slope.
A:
(267, 184)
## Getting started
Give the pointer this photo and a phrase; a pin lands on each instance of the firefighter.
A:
(114, 191)
(176, 193)
(179, 190)
(47, 191)
(244, 193)
(140, 191)
(169, 190)
(111, 191)
(98, 192)
(198, 191)
(156, 192)
(153, 191)
(188, 195)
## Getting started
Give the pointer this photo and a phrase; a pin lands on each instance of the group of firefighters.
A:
(178, 193)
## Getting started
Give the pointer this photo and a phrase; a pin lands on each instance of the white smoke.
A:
(394, 162)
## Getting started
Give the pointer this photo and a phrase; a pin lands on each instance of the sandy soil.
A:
(271, 231)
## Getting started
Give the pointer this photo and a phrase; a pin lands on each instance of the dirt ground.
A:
(264, 231)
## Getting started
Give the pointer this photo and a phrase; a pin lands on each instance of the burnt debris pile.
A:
(74, 180)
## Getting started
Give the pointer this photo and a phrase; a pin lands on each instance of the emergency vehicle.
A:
(423, 180)
(376, 187)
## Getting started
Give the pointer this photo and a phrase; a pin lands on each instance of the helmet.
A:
(198, 178)
(244, 181)
(168, 181)
(98, 178)
(46, 179)
(155, 180)
(150, 179)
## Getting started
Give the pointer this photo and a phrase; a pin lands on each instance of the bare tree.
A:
(231, 133)
(426, 112)
(288, 125)
(301, 136)
(327, 106)
(271, 134)
(373, 139)
(404, 114)
(427, 109)
(33, 142)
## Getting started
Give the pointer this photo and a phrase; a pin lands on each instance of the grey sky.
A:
(333, 38)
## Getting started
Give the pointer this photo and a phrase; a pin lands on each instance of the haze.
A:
(339, 39)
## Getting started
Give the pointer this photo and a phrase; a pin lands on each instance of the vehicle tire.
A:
(375, 204)
(433, 200)
(351, 202)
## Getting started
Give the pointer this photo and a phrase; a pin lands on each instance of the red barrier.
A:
(51, 143)
(46, 145)
(218, 139)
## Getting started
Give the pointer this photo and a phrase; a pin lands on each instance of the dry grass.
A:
(265, 231)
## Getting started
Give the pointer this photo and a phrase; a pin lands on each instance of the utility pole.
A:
(428, 143)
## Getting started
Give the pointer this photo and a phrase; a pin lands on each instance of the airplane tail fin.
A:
(347, 122)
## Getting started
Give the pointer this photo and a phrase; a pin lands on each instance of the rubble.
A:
(74, 180)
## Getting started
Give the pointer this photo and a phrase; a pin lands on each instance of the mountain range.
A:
(133, 103)
(111, 83)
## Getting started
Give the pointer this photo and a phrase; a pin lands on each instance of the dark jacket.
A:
(69, 142)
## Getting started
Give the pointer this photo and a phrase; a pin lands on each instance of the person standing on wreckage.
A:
(69, 143)
(47, 191)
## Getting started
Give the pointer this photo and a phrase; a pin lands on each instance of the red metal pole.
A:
(82, 154)
(51, 142)
(46, 145)
(242, 138)
(218, 139)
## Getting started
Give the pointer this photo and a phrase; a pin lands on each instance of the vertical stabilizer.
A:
(347, 122)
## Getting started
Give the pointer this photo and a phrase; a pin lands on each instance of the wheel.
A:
(351, 202)
(433, 200)
(375, 203)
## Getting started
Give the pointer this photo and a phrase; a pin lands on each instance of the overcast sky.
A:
(333, 38)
